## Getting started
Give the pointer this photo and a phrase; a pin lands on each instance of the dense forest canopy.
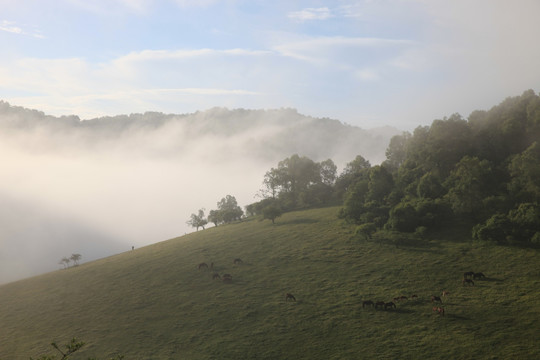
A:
(480, 175)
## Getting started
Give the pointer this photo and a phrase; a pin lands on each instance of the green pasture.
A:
(154, 302)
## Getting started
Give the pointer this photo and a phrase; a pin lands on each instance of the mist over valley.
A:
(100, 186)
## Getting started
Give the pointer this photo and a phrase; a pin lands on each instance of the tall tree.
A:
(229, 210)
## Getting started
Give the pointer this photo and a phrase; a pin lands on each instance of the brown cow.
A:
(203, 265)
(438, 310)
(435, 298)
(289, 297)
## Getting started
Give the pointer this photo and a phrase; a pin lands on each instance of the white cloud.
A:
(9, 26)
(345, 53)
(12, 27)
(321, 13)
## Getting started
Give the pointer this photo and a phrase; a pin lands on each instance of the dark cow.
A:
(435, 298)
(289, 297)
(203, 266)
(479, 276)
(389, 305)
(379, 303)
(367, 303)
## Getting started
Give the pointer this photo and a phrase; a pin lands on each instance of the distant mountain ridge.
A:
(265, 134)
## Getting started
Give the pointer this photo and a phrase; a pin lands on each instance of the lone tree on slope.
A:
(198, 220)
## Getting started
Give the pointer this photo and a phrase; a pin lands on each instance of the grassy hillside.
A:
(154, 303)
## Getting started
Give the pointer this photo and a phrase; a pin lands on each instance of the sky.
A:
(367, 63)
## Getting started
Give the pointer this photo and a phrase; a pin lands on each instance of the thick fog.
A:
(101, 186)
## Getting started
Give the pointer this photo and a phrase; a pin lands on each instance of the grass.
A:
(153, 302)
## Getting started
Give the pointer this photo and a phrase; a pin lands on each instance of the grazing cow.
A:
(468, 282)
(237, 261)
(415, 297)
(367, 303)
(396, 299)
(445, 293)
(438, 310)
(435, 298)
(479, 276)
(403, 297)
(379, 303)
(227, 276)
(289, 297)
(468, 274)
(389, 305)
(203, 266)
(216, 276)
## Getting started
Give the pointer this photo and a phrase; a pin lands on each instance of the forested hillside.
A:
(480, 176)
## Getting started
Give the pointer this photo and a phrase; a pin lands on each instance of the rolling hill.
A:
(154, 302)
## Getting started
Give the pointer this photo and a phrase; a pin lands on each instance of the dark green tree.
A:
(524, 171)
(272, 211)
(229, 210)
(214, 216)
(468, 185)
(396, 153)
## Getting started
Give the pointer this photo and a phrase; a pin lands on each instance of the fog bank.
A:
(100, 186)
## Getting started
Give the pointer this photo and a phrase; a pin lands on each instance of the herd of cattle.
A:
(467, 280)
(226, 278)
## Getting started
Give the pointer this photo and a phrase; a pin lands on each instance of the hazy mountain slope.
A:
(262, 134)
(135, 179)
(154, 303)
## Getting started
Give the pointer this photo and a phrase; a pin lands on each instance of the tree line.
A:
(478, 176)
(227, 211)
